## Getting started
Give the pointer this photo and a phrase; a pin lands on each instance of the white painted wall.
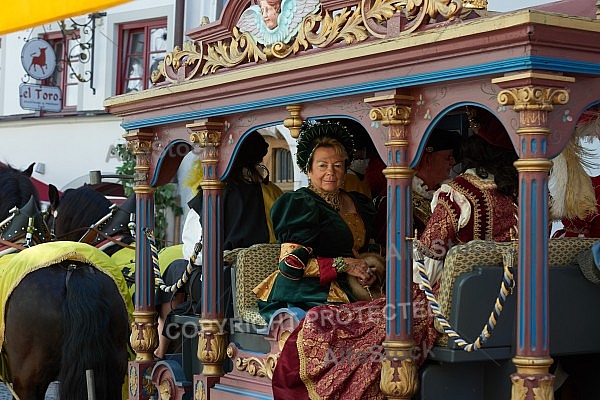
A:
(68, 149)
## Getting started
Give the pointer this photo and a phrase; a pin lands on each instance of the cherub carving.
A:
(272, 21)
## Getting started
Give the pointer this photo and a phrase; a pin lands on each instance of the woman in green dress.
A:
(321, 228)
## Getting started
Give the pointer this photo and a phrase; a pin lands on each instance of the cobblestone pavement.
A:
(51, 394)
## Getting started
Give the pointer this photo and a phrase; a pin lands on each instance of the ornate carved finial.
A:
(294, 122)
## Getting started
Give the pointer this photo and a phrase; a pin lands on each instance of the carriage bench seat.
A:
(471, 280)
(254, 344)
(469, 286)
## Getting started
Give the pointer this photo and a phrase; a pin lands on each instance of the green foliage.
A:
(165, 197)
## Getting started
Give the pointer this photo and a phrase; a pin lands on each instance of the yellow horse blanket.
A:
(14, 267)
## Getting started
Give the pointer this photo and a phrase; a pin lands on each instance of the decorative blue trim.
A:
(533, 243)
(165, 154)
(250, 394)
(432, 125)
(209, 241)
(545, 266)
(521, 271)
(486, 69)
(408, 245)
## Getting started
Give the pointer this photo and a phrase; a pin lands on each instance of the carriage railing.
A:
(506, 288)
(185, 277)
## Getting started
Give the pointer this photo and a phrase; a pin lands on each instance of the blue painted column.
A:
(144, 333)
(533, 98)
(399, 379)
(212, 342)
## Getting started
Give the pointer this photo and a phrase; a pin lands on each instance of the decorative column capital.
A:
(394, 111)
(533, 91)
(391, 109)
(139, 143)
(532, 98)
(206, 133)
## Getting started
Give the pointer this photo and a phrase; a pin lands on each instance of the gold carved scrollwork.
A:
(380, 11)
(144, 335)
(533, 98)
(139, 147)
(256, 366)
(164, 390)
(391, 115)
(190, 56)
(399, 378)
(532, 375)
(139, 143)
(199, 391)
(348, 25)
(324, 30)
(206, 137)
(446, 8)
(211, 347)
(242, 47)
(133, 381)
(475, 4)
(544, 390)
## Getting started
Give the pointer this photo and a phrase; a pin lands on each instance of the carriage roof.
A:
(350, 55)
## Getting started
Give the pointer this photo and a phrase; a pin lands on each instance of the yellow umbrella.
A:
(22, 14)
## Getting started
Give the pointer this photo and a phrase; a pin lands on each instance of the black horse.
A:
(63, 316)
(17, 189)
(86, 215)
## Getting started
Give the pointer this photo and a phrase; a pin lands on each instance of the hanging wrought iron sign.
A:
(40, 97)
(38, 59)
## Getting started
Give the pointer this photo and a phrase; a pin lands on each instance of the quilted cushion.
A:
(254, 264)
(464, 257)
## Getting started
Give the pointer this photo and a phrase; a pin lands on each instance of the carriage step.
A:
(225, 392)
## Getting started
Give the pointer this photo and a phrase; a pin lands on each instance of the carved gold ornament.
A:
(368, 18)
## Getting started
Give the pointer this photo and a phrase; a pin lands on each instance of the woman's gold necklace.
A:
(332, 198)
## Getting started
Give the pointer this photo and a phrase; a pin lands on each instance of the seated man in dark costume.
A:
(247, 197)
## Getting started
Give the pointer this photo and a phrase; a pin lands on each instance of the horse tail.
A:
(95, 335)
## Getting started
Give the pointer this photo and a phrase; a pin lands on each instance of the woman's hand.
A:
(358, 267)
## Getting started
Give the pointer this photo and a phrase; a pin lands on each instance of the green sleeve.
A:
(296, 219)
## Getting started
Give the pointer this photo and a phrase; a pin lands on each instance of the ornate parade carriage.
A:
(399, 68)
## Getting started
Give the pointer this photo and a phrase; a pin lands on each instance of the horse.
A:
(21, 222)
(64, 313)
(21, 189)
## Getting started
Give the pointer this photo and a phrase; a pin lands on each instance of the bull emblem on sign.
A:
(39, 60)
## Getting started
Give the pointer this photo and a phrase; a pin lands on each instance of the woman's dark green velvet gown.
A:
(304, 218)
